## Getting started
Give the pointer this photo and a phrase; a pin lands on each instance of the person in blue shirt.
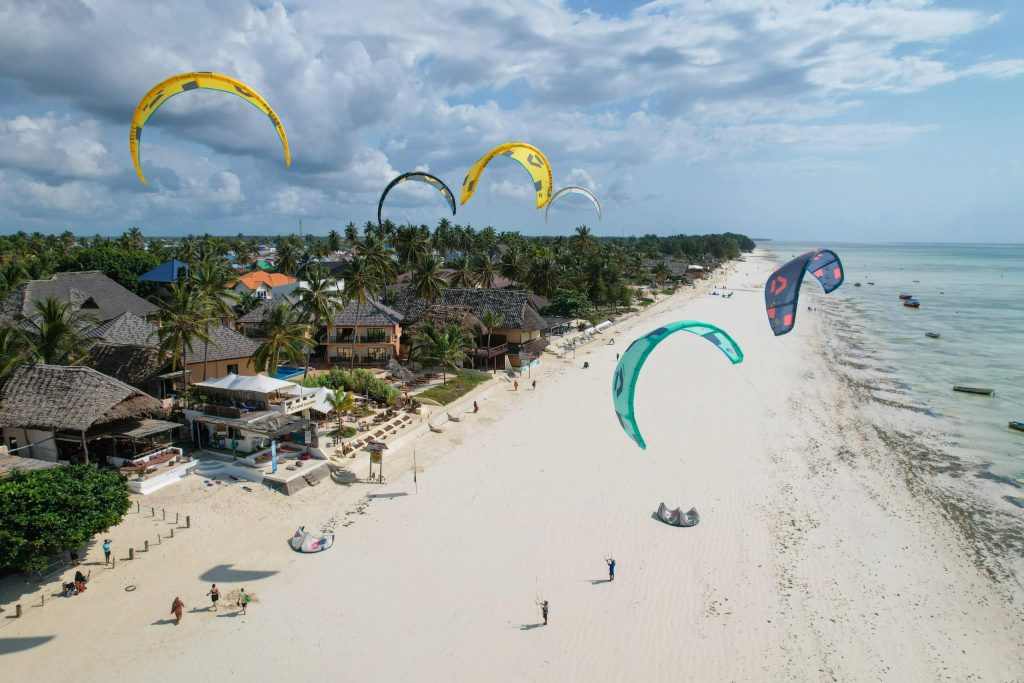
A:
(106, 550)
(611, 568)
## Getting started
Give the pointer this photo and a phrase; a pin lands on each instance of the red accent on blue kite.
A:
(782, 290)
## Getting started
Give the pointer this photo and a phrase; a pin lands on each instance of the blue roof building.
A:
(168, 271)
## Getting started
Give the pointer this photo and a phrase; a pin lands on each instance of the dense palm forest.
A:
(580, 274)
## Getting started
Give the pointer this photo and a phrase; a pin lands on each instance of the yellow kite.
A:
(165, 90)
(531, 158)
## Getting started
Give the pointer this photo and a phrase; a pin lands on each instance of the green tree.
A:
(55, 333)
(319, 300)
(427, 279)
(464, 274)
(487, 271)
(123, 266)
(570, 303)
(490, 319)
(210, 280)
(12, 349)
(334, 241)
(286, 335)
(360, 283)
(341, 402)
(442, 346)
(48, 511)
(182, 319)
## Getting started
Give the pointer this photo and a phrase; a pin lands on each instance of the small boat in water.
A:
(906, 296)
(856, 284)
(912, 303)
(932, 335)
(974, 390)
(871, 283)
(1019, 426)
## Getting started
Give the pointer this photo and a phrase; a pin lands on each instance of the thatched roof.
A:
(511, 303)
(535, 346)
(441, 314)
(56, 397)
(129, 363)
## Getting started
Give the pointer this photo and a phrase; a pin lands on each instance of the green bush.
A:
(359, 381)
(45, 512)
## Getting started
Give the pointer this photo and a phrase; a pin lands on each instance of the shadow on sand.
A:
(11, 645)
(224, 573)
(530, 627)
(163, 622)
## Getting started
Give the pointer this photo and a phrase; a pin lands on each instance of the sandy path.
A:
(812, 562)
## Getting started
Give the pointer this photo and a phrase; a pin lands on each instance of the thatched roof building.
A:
(56, 397)
(443, 315)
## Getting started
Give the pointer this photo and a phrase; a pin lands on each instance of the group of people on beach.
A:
(178, 606)
(544, 606)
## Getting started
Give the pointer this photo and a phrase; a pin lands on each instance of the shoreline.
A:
(811, 560)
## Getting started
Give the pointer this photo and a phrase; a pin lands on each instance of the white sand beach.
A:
(813, 559)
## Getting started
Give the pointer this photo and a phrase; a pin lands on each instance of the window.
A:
(233, 368)
(376, 335)
(377, 354)
(261, 294)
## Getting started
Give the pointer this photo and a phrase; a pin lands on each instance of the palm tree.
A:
(441, 346)
(544, 276)
(319, 300)
(334, 242)
(286, 335)
(54, 333)
(210, 281)
(182, 319)
(378, 258)
(660, 272)
(411, 244)
(341, 402)
(427, 279)
(514, 265)
(351, 234)
(582, 240)
(12, 349)
(490, 319)
(464, 274)
(486, 271)
(360, 284)
(247, 301)
(287, 258)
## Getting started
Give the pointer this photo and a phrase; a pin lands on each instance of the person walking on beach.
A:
(611, 568)
(535, 385)
(106, 551)
(616, 358)
(243, 600)
(214, 594)
(544, 611)
(476, 408)
(176, 609)
(515, 385)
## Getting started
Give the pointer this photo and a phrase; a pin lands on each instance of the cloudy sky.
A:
(801, 119)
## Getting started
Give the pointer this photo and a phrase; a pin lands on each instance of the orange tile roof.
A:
(255, 278)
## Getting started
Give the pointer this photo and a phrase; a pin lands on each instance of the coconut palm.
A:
(351, 234)
(182, 319)
(12, 349)
(286, 334)
(54, 333)
(287, 258)
(211, 282)
(514, 265)
(360, 284)
(582, 240)
(427, 280)
(341, 402)
(464, 274)
(334, 242)
(411, 244)
(490, 320)
(442, 346)
(319, 300)
(378, 258)
(487, 271)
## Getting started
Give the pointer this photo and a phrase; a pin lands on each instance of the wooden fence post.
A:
(164, 510)
(172, 533)
(131, 553)
(147, 546)
(17, 611)
(188, 521)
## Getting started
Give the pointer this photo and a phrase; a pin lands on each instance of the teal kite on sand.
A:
(628, 369)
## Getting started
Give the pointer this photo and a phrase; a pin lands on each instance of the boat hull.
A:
(974, 390)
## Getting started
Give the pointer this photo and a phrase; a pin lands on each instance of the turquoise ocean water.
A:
(973, 296)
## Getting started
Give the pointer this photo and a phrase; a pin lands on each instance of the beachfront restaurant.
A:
(241, 415)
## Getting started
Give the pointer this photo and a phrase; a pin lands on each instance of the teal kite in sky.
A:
(628, 369)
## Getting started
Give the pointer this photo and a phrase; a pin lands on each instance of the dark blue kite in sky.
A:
(783, 288)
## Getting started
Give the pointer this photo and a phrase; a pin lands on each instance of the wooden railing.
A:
(485, 353)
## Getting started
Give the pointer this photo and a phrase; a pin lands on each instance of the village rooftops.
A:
(92, 293)
(128, 329)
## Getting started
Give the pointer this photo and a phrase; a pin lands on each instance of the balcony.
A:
(484, 353)
(292, 405)
(364, 339)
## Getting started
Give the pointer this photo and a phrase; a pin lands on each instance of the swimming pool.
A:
(285, 372)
